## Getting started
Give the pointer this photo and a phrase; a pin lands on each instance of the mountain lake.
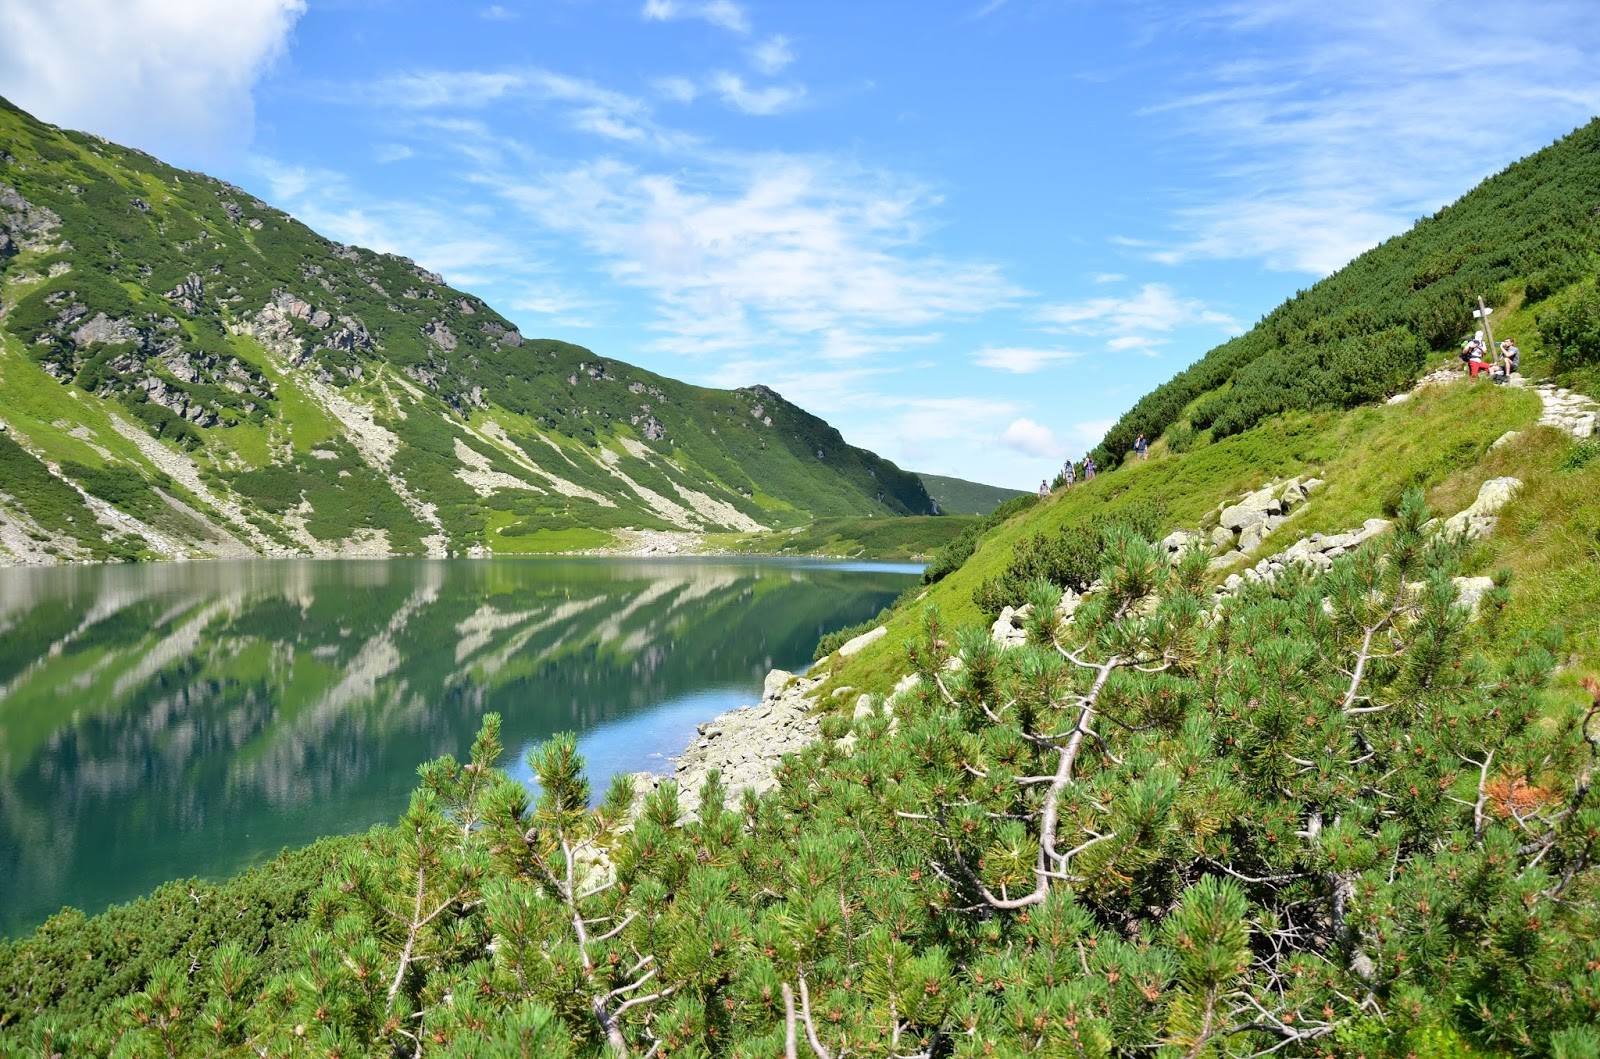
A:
(167, 720)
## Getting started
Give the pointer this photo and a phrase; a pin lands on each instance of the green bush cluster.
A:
(1072, 557)
(1353, 371)
(1569, 326)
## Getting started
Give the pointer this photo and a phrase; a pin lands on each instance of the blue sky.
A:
(968, 233)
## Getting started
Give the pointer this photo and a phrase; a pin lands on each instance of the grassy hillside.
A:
(185, 370)
(957, 496)
(1526, 235)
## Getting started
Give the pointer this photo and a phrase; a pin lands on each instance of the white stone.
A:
(872, 636)
(1471, 590)
(1476, 520)
(1240, 517)
(773, 686)
(1252, 537)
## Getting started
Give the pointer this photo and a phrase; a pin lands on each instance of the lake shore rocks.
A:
(745, 745)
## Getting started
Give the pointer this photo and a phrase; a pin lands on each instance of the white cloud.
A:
(773, 251)
(171, 76)
(498, 13)
(723, 13)
(1032, 439)
(1137, 322)
(392, 152)
(1020, 360)
(589, 107)
(1326, 128)
(761, 101)
(772, 55)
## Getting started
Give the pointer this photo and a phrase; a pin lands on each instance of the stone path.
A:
(1573, 413)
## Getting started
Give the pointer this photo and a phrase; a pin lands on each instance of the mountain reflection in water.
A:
(166, 720)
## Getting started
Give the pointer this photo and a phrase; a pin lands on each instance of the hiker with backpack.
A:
(1141, 447)
(1472, 355)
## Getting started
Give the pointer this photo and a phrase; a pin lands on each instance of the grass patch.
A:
(574, 539)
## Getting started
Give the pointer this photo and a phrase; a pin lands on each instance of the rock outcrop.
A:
(1239, 528)
(745, 745)
(1478, 520)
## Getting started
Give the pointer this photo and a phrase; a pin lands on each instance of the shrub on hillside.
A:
(1070, 558)
(1569, 326)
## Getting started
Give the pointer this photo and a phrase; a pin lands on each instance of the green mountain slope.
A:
(185, 370)
(957, 496)
(1521, 236)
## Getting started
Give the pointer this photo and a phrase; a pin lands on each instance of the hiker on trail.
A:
(1472, 353)
(1088, 468)
(1044, 489)
(1141, 447)
(1510, 356)
(1069, 473)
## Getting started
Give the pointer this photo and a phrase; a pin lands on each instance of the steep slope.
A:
(185, 370)
(957, 496)
(1526, 235)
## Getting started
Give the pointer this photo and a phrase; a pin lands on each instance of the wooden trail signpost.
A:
(1482, 312)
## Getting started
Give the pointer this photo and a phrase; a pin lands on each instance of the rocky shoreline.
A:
(745, 745)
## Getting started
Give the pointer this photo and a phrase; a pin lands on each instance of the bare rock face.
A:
(188, 294)
(24, 225)
(105, 330)
(440, 335)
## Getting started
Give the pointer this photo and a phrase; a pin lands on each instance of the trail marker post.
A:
(1482, 312)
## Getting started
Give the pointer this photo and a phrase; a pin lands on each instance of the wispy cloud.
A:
(677, 89)
(772, 55)
(498, 13)
(1137, 322)
(588, 107)
(1020, 360)
(770, 250)
(1325, 128)
(724, 13)
(772, 99)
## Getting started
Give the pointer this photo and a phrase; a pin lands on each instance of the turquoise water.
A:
(166, 720)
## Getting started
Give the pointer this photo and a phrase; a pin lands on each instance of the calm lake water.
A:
(167, 720)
